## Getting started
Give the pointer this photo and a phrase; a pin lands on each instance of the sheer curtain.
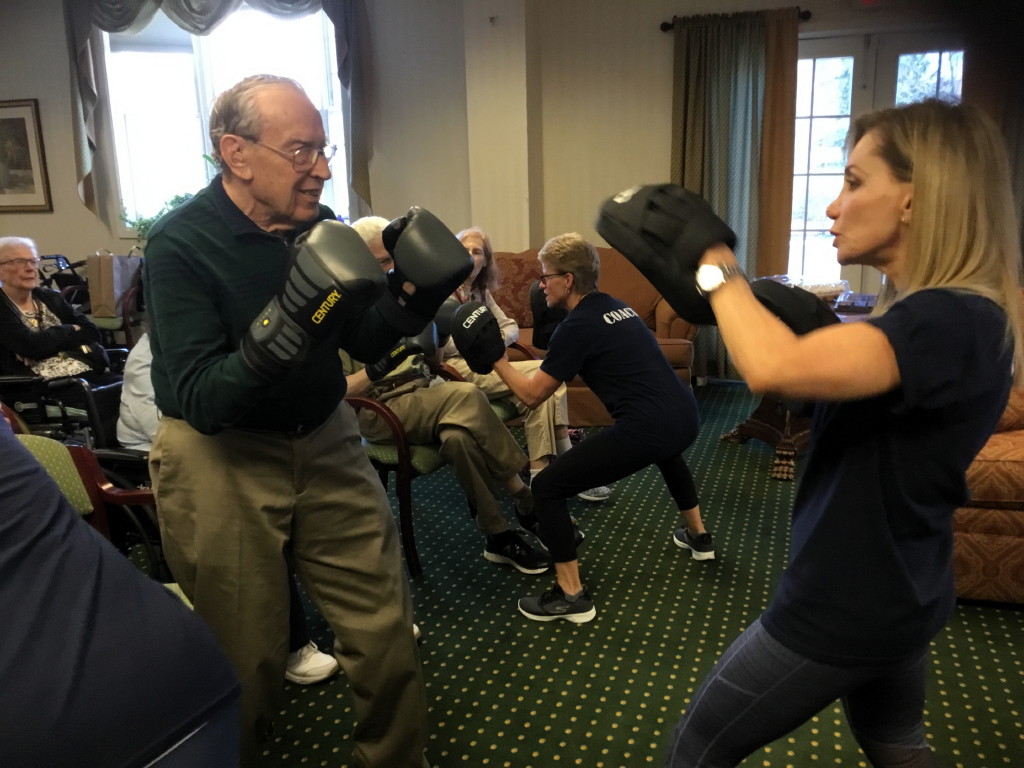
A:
(734, 116)
(85, 18)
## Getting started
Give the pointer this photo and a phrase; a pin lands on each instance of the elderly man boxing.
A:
(252, 287)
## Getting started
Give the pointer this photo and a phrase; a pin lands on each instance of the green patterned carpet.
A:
(505, 691)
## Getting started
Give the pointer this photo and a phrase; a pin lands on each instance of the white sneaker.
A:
(416, 634)
(600, 493)
(308, 665)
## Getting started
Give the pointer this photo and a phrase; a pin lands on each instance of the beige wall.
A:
(34, 65)
(562, 103)
(516, 115)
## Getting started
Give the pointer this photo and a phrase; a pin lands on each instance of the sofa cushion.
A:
(988, 554)
(996, 476)
(1013, 416)
(622, 280)
(516, 273)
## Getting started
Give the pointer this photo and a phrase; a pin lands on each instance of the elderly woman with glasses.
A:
(40, 333)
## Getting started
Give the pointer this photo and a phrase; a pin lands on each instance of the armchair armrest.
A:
(89, 467)
(669, 325)
(449, 373)
(517, 351)
(391, 420)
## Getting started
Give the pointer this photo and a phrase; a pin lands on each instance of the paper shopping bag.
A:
(109, 276)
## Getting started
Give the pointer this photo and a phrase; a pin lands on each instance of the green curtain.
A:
(734, 94)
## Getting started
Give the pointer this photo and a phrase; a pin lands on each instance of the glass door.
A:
(839, 78)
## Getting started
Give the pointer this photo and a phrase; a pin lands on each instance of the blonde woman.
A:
(906, 400)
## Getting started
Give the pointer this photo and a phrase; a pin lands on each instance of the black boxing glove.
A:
(429, 256)
(664, 229)
(477, 336)
(425, 343)
(332, 276)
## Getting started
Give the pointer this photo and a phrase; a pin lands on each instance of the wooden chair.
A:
(406, 462)
(125, 516)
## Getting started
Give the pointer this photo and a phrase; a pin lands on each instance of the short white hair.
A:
(370, 227)
(11, 243)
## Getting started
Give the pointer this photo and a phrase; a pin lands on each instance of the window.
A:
(837, 80)
(161, 133)
(824, 88)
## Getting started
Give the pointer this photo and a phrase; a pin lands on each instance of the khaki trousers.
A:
(230, 504)
(473, 440)
(539, 424)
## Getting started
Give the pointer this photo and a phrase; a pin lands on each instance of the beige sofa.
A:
(618, 278)
(988, 531)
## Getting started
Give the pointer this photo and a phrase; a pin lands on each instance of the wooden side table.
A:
(773, 423)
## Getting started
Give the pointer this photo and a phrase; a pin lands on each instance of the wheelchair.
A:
(83, 412)
(70, 409)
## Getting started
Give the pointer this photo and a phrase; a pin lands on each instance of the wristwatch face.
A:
(709, 277)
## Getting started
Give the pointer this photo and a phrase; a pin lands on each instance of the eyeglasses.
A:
(23, 262)
(302, 158)
(544, 278)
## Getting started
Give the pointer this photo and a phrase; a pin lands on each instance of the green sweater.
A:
(209, 272)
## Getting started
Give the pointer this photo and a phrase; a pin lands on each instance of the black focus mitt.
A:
(477, 336)
(664, 229)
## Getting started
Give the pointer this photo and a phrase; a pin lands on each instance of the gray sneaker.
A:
(701, 546)
(553, 605)
(599, 493)
(510, 548)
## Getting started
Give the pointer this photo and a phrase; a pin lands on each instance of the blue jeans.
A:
(760, 690)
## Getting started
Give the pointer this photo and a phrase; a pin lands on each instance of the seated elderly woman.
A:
(40, 332)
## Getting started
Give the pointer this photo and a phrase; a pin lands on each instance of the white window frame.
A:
(162, 36)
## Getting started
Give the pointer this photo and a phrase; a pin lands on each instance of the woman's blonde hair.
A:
(963, 232)
(571, 253)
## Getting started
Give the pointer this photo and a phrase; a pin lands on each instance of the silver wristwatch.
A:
(712, 276)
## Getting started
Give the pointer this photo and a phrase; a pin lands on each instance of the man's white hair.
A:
(370, 227)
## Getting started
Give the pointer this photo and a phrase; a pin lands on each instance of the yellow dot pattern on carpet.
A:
(507, 692)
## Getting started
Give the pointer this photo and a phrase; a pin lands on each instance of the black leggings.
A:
(603, 458)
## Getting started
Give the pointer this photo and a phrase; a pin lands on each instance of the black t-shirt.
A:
(606, 343)
(870, 574)
(99, 664)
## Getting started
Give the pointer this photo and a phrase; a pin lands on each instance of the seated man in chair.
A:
(458, 416)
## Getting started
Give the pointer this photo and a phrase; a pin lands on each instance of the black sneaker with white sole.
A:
(701, 546)
(532, 524)
(554, 605)
(510, 548)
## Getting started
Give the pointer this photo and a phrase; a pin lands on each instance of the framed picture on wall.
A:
(24, 186)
